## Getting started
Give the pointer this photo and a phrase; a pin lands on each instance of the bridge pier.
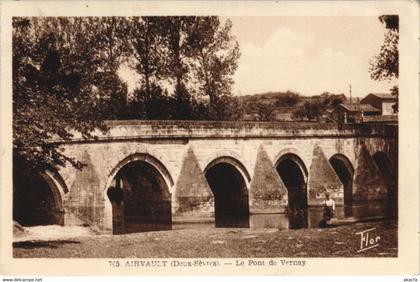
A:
(268, 194)
(369, 184)
(323, 179)
(193, 198)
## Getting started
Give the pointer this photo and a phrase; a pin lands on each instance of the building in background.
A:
(354, 112)
(384, 102)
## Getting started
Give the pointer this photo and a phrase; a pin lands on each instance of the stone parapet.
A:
(149, 129)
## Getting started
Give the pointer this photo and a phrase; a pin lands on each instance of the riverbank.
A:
(221, 242)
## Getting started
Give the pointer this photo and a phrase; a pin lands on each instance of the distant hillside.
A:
(271, 98)
(281, 105)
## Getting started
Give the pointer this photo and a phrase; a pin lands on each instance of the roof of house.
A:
(355, 107)
(383, 96)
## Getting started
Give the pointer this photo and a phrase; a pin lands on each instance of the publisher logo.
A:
(368, 240)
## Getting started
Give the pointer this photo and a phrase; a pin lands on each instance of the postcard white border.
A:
(408, 237)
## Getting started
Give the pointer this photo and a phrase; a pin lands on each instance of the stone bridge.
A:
(145, 175)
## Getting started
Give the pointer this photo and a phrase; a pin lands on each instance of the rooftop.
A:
(384, 96)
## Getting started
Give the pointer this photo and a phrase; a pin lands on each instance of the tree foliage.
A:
(54, 70)
(196, 55)
(384, 65)
(330, 100)
(394, 92)
(147, 43)
(217, 53)
(309, 111)
(265, 112)
(110, 49)
(288, 99)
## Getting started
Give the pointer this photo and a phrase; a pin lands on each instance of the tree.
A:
(196, 55)
(216, 53)
(288, 99)
(227, 107)
(309, 111)
(154, 103)
(110, 48)
(65, 76)
(175, 31)
(59, 66)
(384, 65)
(337, 100)
(265, 112)
(394, 92)
(332, 100)
(148, 48)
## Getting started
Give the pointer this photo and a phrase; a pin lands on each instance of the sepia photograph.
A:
(206, 136)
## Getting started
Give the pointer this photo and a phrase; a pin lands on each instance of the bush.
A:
(308, 111)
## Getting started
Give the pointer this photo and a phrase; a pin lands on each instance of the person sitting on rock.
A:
(329, 207)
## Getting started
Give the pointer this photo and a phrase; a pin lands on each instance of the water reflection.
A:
(309, 218)
(313, 216)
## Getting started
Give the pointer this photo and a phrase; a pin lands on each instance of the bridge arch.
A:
(294, 174)
(146, 157)
(38, 197)
(293, 156)
(58, 180)
(233, 162)
(229, 182)
(289, 151)
(345, 172)
(134, 179)
(54, 179)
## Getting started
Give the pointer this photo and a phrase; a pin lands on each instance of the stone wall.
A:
(182, 151)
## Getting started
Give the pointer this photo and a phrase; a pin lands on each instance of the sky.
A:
(308, 55)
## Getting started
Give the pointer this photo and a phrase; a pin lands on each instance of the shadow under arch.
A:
(345, 172)
(385, 168)
(229, 181)
(296, 159)
(38, 197)
(384, 164)
(137, 195)
(294, 174)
